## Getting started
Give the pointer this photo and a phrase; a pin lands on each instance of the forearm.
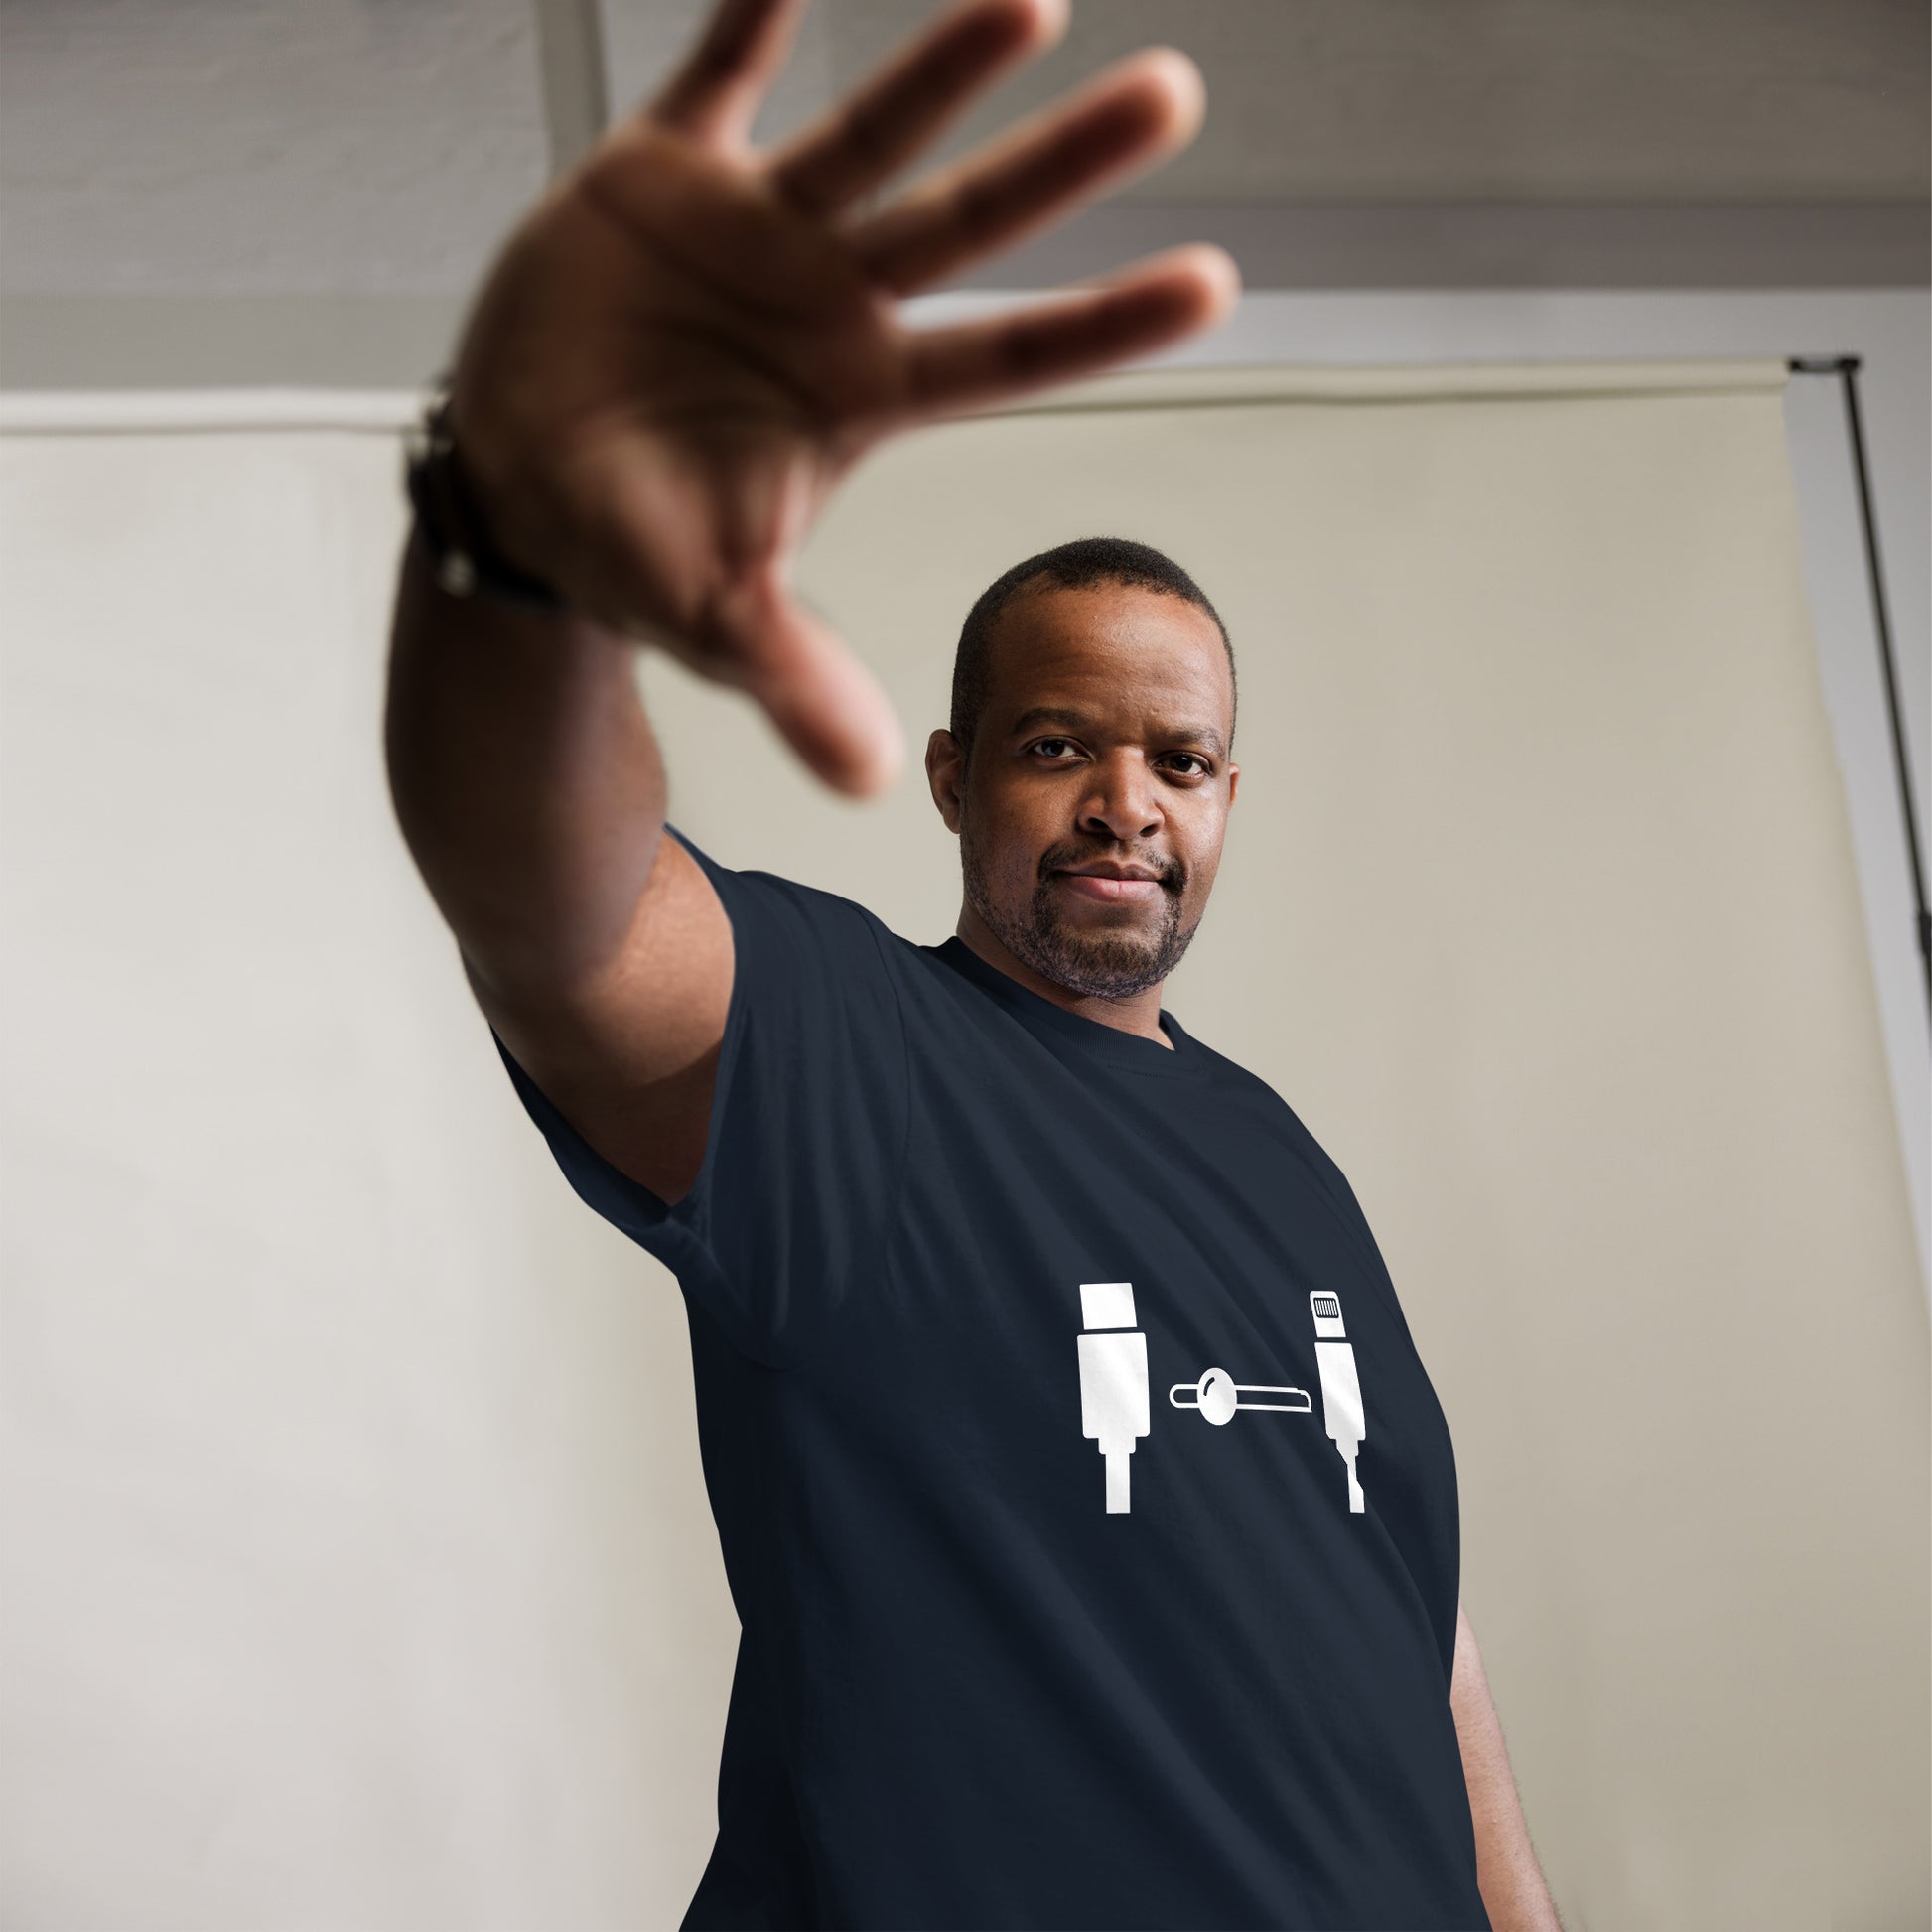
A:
(1511, 1883)
(525, 778)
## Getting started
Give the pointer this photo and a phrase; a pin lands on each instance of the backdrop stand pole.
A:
(1845, 367)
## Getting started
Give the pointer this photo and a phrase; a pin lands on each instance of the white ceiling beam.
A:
(575, 77)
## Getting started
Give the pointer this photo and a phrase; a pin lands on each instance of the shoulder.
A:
(788, 909)
(1293, 1130)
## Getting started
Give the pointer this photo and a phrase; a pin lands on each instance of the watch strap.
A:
(466, 560)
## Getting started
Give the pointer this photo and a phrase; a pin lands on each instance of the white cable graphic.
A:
(1113, 1381)
(1341, 1389)
(1217, 1395)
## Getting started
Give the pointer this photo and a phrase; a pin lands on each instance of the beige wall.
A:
(360, 1567)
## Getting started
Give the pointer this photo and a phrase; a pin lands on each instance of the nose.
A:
(1122, 803)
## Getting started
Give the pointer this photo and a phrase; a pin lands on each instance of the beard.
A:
(1109, 965)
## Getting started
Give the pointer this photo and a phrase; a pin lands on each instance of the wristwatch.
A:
(467, 563)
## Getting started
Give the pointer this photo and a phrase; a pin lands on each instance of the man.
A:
(1091, 1522)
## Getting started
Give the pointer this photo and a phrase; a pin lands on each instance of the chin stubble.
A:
(1105, 965)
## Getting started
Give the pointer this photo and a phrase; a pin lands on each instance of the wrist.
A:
(452, 525)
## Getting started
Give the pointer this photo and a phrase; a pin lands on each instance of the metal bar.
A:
(1845, 367)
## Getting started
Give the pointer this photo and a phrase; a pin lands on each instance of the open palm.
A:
(686, 343)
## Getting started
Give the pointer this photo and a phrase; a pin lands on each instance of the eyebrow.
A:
(1204, 735)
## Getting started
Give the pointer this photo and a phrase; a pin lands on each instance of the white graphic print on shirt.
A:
(1114, 1406)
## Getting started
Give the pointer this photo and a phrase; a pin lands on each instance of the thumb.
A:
(828, 706)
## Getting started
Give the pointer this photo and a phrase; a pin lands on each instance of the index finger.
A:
(1081, 332)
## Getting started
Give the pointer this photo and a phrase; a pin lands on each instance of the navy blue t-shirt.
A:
(1090, 1519)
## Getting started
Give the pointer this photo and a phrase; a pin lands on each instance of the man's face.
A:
(1102, 748)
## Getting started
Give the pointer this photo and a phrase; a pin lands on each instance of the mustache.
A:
(1169, 872)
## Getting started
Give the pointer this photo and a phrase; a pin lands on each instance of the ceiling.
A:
(356, 155)
(1456, 100)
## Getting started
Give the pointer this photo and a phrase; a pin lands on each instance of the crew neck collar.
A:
(1094, 1039)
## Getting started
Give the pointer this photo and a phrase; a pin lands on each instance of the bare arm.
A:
(678, 353)
(530, 790)
(1511, 1882)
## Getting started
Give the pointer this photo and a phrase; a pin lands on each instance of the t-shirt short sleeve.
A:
(807, 1145)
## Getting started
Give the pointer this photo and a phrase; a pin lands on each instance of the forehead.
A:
(1114, 646)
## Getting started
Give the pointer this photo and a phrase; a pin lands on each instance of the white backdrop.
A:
(358, 1565)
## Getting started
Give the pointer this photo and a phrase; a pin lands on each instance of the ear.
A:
(946, 774)
(1234, 779)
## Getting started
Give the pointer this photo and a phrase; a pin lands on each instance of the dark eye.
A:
(1041, 744)
(1204, 767)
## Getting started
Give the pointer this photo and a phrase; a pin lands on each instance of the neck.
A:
(1134, 1013)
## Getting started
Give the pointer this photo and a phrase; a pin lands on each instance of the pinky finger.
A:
(715, 94)
(1132, 313)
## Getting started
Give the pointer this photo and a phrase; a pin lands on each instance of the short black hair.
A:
(1068, 566)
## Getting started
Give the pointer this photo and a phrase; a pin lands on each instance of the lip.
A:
(1109, 889)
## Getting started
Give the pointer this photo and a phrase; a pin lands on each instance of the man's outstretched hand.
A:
(686, 343)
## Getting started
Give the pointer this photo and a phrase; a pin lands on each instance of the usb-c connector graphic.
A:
(1113, 1381)
(1341, 1389)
